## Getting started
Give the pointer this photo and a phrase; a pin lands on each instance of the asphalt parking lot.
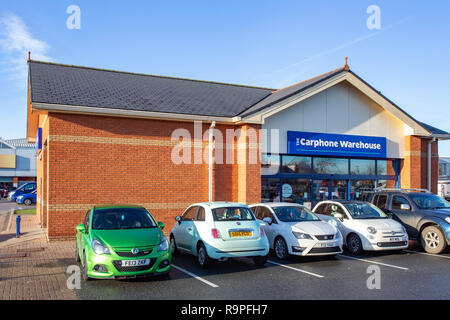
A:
(411, 274)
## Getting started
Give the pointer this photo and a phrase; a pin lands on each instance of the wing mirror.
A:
(405, 206)
(81, 228)
(339, 216)
(268, 220)
(178, 219)
(161, 225)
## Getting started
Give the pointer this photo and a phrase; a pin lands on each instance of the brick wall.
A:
(110, 160)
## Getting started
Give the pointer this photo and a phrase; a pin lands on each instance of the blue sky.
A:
(263, 43)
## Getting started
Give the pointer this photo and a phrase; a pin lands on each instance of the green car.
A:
(121, 242)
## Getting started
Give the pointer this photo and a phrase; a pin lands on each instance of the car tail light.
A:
(261, 231)
(215, 233)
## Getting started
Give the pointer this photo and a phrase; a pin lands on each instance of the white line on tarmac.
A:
(196, 276)
(428, 254)
(296, 269)
(374, 262)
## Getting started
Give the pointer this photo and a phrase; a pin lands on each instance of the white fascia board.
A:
(130, 113)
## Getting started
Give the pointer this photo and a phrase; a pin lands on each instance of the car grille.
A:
(392, 244)
(325, 237)
(118, 265)
(390, 234)
(325, 250)
(126, 251)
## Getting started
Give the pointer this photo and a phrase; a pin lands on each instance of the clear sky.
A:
(255, 42)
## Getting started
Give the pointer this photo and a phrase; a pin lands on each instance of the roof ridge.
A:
(150, 75)
(320, 75)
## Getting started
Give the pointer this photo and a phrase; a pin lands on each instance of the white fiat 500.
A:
(363, 225)
(219, 230)
(294, 229)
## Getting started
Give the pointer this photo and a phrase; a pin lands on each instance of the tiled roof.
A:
(80, 86)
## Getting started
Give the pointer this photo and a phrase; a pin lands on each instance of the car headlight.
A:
(371, 230)
(301, 235)
(164, 244)
(447, 219)
(337, 235)
(99, 248)
(404, 230)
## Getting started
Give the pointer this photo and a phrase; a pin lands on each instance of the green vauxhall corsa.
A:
(121, 242)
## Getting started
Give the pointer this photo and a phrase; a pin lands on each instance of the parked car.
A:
(363, 226)
(293, 229)
(27, 199)
(121, 242)
(218, 231)
(425, 216)
(5, 190)
(26, 188)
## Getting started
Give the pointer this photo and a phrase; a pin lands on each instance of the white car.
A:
(294, 229)
(363, 226)
(219, 230)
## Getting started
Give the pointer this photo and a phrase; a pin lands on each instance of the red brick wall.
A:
(108, 160)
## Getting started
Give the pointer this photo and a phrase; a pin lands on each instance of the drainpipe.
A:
(210, 162)
(429, 162)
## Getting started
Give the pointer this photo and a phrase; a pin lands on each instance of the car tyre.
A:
(77, 253)
(27, 202)
(202, 256)
(433, 240)
(260, 261)
(354, 244)
(280, 248)
(84, 272)
(173, 246)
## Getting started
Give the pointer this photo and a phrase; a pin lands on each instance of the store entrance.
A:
(329, 190)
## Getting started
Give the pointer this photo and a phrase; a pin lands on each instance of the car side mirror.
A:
(161, 225)
(405, 206)
(268, 220)
(339, 216)
(81, 228)
(178, 219)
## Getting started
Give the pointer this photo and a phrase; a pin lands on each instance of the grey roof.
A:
(432, 129)
(80, 86)
(290, 91)
(20, 143)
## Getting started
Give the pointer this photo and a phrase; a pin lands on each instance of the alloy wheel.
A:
(280, 249)
(432, 240)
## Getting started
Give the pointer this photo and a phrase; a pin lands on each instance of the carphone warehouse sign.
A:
(324, 144)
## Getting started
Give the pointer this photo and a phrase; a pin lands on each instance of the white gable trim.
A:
(7, 144)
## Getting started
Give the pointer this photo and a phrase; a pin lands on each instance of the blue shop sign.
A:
(38, 143)
(341, 145)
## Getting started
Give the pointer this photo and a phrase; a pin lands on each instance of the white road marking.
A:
(296, 269)
(428, 254)
(374, 262)
(196, 276)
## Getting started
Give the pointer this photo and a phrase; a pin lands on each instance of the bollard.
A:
(18, 226)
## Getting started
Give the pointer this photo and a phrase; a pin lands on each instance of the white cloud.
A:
(15, 41)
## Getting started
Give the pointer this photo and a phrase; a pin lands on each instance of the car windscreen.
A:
(232, 214)
(294, 214)
(365, 211)
(122, 218)
(429, 201)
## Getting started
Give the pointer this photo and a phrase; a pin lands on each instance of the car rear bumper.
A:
(237, 248)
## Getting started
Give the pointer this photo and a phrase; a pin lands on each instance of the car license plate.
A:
(325, 245)
(234, 234)
(394, 239)
(135, 263)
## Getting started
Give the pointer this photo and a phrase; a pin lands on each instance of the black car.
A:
(425, 216)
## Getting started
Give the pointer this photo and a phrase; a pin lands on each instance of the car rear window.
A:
(232, 214)
(122, 218)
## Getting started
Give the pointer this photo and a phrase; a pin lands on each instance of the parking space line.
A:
(374, 262)
(195, 276)
(296, 269)
(428, 254)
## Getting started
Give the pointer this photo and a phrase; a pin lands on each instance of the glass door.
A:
(319, 190)
(338, 189)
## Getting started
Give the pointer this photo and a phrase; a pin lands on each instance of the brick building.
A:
(108, 137)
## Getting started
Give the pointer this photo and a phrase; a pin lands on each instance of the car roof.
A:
(220, 204)
(343, 201)
(277, 204)
(112, 206)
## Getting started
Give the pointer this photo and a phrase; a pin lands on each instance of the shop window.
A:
(295, 164)
(385, 168)
(270, 164)
(296, 190)
(330, 166)
(361, 190)
(270, 190)
(362, 167)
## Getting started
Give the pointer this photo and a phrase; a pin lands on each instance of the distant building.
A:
(17, 162)
(444, 177)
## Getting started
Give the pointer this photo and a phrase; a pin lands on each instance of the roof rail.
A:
(402, 190)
